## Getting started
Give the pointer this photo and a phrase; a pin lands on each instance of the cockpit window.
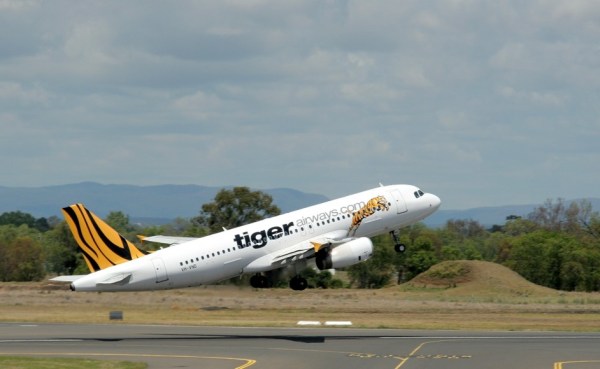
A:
(419, 193)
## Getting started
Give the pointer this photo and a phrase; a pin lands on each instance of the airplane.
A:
(334, 234)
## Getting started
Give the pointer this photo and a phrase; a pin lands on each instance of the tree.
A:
(21, 256)
(572, 275)
(119, 221)
(17, 218)
(378, 271)
(25, 260)
(61, 250)
(532, 256)
(320, 279)
(419, 257)
(463, 228)
(516, 227)
(574, 218)
(234, 208)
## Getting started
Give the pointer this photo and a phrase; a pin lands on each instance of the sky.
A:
(483, 103)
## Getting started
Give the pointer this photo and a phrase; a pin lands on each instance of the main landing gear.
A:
(260, 281)
(297, 283)
(398, 246)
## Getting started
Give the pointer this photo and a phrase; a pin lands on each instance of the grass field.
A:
(17, 362)
(452, 295)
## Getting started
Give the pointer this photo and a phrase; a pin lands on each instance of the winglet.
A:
(101, 246)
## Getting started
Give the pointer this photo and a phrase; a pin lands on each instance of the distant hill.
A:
(163, 203)
(476, 278)
(145, 204)
(488, 216)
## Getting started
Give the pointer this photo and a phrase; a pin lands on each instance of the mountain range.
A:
(143, 204)
(163, 203)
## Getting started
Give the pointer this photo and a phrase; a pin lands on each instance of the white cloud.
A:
(199, 105)
(11, 93)
(534, 97)
(328, 97)
(16, 5)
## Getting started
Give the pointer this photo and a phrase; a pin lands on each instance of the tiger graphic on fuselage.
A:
(378, 203)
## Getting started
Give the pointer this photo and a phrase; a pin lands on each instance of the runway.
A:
(166, 347)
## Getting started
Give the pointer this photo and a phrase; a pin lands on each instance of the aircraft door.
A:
(160, 270)
(400, 203)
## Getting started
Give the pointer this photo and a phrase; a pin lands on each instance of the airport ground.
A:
(487, 296)
(235, 306)
(492, 319)
(168, 347)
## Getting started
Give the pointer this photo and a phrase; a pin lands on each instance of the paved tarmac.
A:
(166, 347)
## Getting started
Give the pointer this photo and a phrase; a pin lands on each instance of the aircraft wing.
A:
(310, 247)
(169, 240)
(299, 251)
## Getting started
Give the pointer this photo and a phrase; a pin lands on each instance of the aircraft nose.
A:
(435, 202)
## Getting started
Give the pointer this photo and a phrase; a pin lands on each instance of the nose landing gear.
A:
(398, 246)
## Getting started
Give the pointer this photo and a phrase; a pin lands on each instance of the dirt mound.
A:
(476, 277)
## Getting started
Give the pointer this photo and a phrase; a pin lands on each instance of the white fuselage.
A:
(236, 251)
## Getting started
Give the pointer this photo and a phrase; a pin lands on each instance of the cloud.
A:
(327, 97)
(15, 93)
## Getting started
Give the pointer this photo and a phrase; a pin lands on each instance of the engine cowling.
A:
(344, 255)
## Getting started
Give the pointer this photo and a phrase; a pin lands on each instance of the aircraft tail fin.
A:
(101, 245)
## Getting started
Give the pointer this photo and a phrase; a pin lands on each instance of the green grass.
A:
(485, 296)
(20, 362)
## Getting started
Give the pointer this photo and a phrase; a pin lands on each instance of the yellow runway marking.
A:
(247, 362)
(413, 352)
(559, 365)
(358, 355)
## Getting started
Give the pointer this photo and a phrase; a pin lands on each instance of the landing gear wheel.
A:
(298, 283)
(260, 281)
(400, 247)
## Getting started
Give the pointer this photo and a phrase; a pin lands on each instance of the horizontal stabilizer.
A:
(67, 278)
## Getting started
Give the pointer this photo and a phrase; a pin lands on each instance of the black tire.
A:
(255, 281)
(298, 283)
(400, 247)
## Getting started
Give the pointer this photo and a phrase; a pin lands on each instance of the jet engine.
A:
(346, 254)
